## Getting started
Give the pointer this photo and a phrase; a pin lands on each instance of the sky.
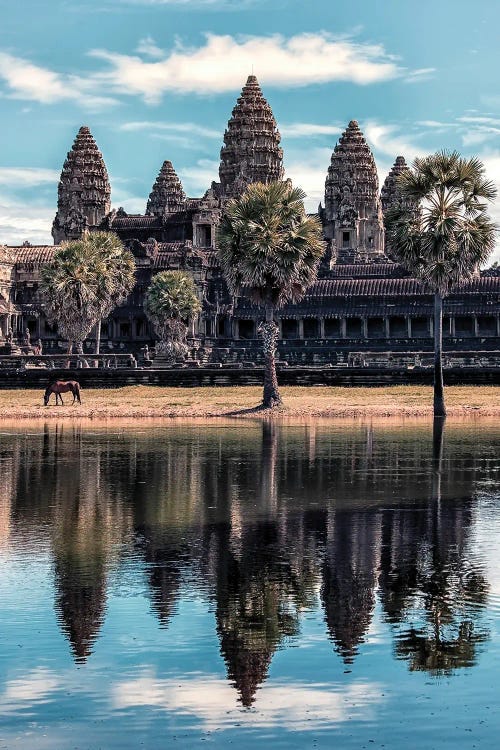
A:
(157, 79)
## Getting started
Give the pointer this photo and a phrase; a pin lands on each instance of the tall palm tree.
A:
(440, 231)
(269, 249)
(116, 274)
(170, 303)
(85, 280)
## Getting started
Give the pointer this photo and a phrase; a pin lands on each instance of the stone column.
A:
(364, 327)
(476, 325)
(322, 328)
(343, 328)
(387, 328)
(300, 328)
(408, 326)
(498, 325)
(452, 325)
(236, 329)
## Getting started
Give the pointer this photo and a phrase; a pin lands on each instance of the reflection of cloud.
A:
(212, 702)
(35, 687)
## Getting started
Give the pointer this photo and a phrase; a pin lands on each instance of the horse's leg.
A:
(62, 402)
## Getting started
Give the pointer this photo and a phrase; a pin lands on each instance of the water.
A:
(240, 584)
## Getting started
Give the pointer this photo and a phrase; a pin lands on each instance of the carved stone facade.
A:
(84, 192)
(167, 195)
(361, 301)
(251, 150)
(352, 216)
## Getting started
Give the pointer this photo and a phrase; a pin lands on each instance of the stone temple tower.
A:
(353, 212)
(84, 192)
(251, 150)
(167, 195)
(389, 193)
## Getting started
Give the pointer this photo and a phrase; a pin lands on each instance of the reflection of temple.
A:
(350, 578)
(361, 301)
(265, 524)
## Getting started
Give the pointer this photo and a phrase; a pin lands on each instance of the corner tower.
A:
(353, 212)
(251, 150)
(167, 195)
(84, 193)
(390, 193)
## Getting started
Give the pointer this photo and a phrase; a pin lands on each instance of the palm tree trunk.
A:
(98, 337)
(271, 397)
(439, 407)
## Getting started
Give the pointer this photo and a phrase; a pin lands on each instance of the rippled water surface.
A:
(312, 586)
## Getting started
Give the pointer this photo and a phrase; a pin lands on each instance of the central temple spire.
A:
(251, 151)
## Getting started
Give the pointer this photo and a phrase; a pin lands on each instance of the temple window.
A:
(311, 328)
(376, 328)
(246, 329)
(139, 327)
(221, 327)
(289, 328)
(398, 327)
(464, 325)
(353, 328)
(124, 329)
(346, 239)
(204, 235)
(420, 327)
(487, 325)
(332, 328)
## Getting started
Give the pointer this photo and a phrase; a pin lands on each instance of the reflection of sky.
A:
(142, 680)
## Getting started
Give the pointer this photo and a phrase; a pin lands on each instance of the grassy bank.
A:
(314, 401)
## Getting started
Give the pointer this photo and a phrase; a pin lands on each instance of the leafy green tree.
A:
(170, 303)
(269, 249)
(440, 231)
(84, 282)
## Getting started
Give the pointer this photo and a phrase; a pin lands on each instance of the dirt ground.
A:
(298, 402)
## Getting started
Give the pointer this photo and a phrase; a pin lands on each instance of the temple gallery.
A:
(363, 303)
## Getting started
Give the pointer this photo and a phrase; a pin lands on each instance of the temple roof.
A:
(389, 191)
(83, 196)
(251, 151)
(352, 169)
(167, 194)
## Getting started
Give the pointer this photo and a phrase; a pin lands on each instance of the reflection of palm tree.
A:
(438, 579)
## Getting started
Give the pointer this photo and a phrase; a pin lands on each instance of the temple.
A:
(362, 307)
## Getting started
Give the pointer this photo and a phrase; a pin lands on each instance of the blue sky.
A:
(157, 79)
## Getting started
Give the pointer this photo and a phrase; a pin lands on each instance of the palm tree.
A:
(85, 280)
(269, 249)
(440, 231)
(116, 274)
(170, 302)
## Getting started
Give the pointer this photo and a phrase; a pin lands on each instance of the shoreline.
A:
(313, 402)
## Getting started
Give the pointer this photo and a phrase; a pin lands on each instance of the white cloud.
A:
(147, 46)
(25, 80)
(15, 177)
(301, 129)
(213, 702)
(20, 221)
(223, 61)
(421, 74)
(198, 178)
(385, 140)
(188, 128)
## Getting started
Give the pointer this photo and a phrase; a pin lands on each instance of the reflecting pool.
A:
(252, 584)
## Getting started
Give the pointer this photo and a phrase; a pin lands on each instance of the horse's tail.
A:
(77, 392)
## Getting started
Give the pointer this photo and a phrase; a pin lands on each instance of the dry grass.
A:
(315, 401)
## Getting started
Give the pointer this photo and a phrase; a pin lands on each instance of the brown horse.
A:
(62, 386)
